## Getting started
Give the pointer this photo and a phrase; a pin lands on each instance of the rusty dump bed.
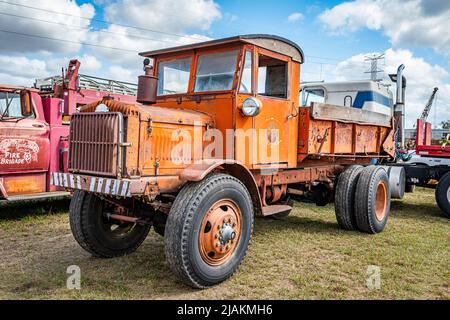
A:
(337, 132)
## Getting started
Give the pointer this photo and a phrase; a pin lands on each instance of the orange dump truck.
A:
(218, 137)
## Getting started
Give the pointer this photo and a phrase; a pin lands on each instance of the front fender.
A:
(199, 170)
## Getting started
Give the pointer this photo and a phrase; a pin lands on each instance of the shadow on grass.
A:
(18, 211)
(296, 223)
(410, 210)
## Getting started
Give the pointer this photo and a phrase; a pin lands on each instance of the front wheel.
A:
(208, 230)
(99, 235)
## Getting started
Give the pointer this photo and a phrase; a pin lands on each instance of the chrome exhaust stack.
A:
(399, 108)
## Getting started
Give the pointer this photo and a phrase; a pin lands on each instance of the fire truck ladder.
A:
(46, 86)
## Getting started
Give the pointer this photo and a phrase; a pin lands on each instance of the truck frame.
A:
(34, 130)
(218, 137)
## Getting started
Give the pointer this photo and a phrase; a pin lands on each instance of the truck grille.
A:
(95, 140)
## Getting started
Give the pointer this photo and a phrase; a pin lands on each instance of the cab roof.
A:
(269, 42)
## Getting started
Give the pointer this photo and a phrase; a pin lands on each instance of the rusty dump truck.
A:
(218, 137)
(34, 130)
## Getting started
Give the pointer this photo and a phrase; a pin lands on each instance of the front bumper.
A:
(146, 186)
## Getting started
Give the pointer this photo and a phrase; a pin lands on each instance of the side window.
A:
(314, 95)
(348, 101)
(272, 77)
(173, 76)
(10, 105)
(246, 81)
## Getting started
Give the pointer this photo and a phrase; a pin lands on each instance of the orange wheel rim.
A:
(381, 201)
(220, 232)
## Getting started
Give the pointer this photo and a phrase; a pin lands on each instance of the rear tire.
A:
(345, 197)
(442, 194)
(97, 234)
(372, 200)
(195, 231)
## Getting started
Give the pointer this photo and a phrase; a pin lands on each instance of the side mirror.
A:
(25, 103)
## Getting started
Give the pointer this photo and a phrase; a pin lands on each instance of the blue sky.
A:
(335, 36)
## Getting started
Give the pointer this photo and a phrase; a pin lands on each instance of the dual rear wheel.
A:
(363, 199)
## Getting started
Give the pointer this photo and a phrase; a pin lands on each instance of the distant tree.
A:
(445, 124)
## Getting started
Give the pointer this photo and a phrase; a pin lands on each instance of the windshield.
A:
(173, 76)
(215, 72)
(10, 105)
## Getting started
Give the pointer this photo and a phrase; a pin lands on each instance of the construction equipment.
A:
(34, 130)
(218, 137)
(426, 110)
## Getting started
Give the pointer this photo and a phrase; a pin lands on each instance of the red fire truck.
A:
(34, 129)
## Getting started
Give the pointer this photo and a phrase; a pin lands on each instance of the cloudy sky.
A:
(39, 37)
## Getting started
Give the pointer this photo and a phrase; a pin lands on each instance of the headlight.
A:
(251, 107)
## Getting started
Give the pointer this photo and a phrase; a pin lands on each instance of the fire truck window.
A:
(246, 81)
(10, 102)
(173, 76)
(215, 72)
(272, 77)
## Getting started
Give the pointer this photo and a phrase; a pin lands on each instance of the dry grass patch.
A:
(305, 256)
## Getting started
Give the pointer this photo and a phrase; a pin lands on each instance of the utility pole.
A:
(374, 58)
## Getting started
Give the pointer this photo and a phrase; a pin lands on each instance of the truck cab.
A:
(218, 137)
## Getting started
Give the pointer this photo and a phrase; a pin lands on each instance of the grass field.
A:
(305, 256)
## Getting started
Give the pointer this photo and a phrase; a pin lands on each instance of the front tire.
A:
(99, 235)
(442, 194)
(208, 230)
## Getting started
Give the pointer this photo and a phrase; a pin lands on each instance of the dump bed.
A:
(337, 132)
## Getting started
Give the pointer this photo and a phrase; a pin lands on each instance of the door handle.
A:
(37, 125)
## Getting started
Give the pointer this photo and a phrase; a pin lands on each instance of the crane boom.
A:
(426, 110)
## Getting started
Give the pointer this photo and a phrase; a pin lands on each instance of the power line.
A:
(67, 41)
(86, 28)
(101, 21)
(374, 65)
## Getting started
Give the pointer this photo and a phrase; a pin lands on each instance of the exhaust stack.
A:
(399, 108)
(147, 85)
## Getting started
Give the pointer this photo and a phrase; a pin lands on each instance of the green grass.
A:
(305, 256)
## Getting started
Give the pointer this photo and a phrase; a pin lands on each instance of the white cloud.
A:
(422, 23)
(72, 28)
(168, 15)
(421, 76)
(296, 16)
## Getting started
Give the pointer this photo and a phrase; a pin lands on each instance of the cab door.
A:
(24, 146)
(272, 124)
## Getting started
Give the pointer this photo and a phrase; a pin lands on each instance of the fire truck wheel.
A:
(442, 194)
(99, 235)
(208, 230)
(345, 197)
(372, 199)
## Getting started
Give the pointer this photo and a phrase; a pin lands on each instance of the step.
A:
(35, 197)
(277, 208)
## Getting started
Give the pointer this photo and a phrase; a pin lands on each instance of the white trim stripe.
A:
(100, 185)
(124, 188)
(91, 187)
(78, 182)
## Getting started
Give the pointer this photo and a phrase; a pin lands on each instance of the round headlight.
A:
(251, 107)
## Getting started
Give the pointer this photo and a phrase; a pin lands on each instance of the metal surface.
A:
(381, 201)
(269, 42)
(95, 143)
(220, 232)
(35, 197)
(397, 181)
